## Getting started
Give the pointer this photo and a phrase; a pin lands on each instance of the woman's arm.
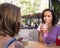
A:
(39, 34)
(40, 37)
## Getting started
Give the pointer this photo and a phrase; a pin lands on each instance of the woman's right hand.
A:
(43, 28)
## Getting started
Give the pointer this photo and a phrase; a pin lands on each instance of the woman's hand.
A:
(18, 38)
(43, 28)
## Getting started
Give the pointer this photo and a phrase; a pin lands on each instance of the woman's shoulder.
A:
(16, 44)
(57, 26)
(58, 29)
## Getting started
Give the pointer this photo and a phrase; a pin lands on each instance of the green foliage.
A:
(25, 2)
(56, 6)
(29, 9)
(29, 6)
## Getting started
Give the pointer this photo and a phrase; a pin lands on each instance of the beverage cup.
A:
(45, 27)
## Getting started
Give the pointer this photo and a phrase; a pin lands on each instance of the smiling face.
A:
(48, 17)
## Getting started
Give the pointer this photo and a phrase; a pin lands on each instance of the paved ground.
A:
(30, 34)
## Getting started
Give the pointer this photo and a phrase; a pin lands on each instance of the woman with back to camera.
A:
(49, 33)
(9, 25)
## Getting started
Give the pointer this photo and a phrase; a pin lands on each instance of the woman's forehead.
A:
(47, 13)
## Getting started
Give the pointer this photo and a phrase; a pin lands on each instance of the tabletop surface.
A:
(35, 44)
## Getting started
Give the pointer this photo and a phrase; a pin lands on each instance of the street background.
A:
(29, 34)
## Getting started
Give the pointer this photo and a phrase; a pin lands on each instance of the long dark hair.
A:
(54, 16)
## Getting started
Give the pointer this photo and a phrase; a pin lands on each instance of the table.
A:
(35, 44)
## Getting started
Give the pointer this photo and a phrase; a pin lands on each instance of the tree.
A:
(29, 6)
(56, 5)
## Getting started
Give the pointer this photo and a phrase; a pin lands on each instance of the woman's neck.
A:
(49, 24)
(2, 37)
(50, 27)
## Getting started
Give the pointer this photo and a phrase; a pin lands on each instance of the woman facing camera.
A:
(9, 25)
(48, 28)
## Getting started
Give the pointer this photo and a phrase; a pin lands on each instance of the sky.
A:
(43, 4)
(9, 1)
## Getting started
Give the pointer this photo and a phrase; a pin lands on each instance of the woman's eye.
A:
(45, 16)
(49, 16)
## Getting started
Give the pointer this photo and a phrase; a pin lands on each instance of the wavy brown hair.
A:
(9, 19)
